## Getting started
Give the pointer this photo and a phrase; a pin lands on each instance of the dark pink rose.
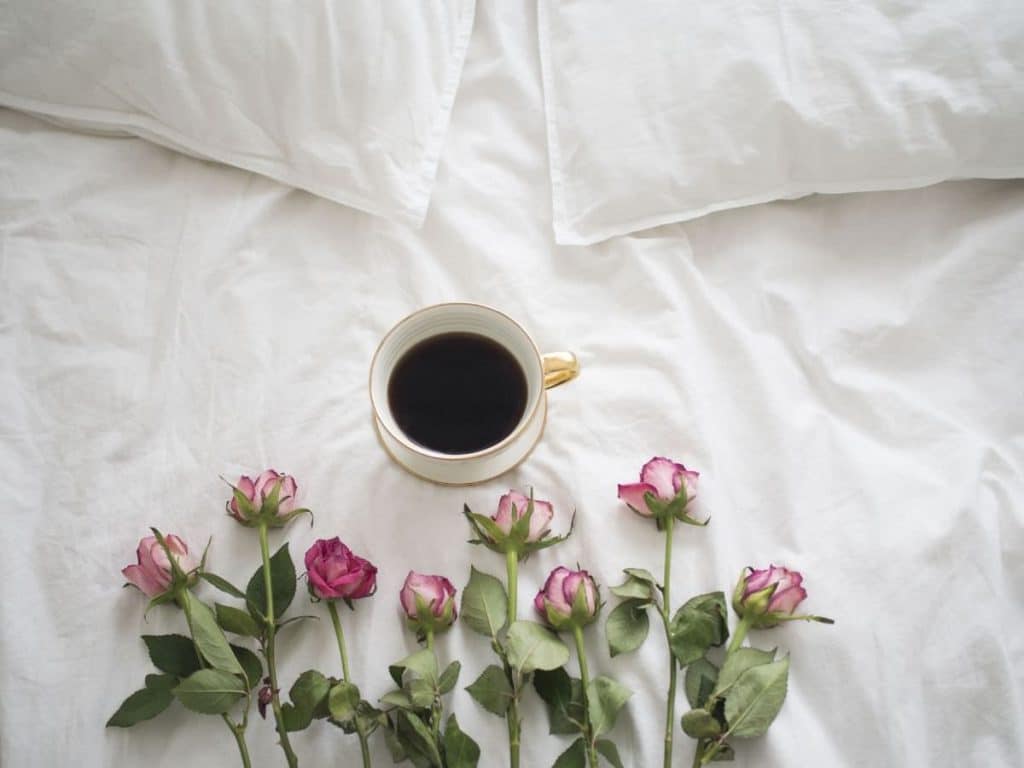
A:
(153, 574)
(428, 601)
(665, 480)
(334, 573)
(255, 492)
(569, 599)
(512, 506)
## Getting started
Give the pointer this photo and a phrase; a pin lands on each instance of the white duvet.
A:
(845, 372)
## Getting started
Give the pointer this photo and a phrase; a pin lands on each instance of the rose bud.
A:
(334, 573)
(513, 506)
(269, 499)
(153, 573)
(665, 488)
(428, 602)
(765, 597)
(264, 699)
(569, 599)
(522, 524)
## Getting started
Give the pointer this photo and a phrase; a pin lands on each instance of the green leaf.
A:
(161, 681)
(250, 663)
(756, 698)
(174, 654)
(342, 702)
(533, 646)
(309, 690)
(144, 704)
(698, 625)
(605, 698)
(394, 745)
(449, 677)
(208, 636)
(484, 604)
(700, 682)
(738, 662)
(492, 690)
(210, 691)
(295, 718)
(634, 589)
(416, 735)
(282, 580)
(423, 664)
(236, 621)
(563, 696)
(574, 757)
(368, 717)
(700, 724)
(397, 699)
(627, 627)
(222, 584)
(421, 692)
(609, 752)
(643, 575)
(460, 751)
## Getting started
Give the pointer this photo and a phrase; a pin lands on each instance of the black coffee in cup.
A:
(457, 393)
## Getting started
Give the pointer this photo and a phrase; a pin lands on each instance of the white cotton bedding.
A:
(845, 372)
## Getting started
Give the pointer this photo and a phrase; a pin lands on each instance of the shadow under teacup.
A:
(459, 392)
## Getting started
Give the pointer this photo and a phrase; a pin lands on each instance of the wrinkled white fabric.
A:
(844, 371)
(349, 100)
(665, 111)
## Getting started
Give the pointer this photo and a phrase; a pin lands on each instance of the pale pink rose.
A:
(555, 601)
(153, 574)
(512, 506)
(256, 491)
(788, 593)
(664, 479)
(436, 591)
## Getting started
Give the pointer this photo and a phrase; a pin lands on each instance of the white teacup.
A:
(541, 371)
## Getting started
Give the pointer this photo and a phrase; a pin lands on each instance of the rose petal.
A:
(265, 483)
(787, 600)
(758, 579)
(660, 473)
(247, 487)
(689, 478)
(138, 576)
(633, 495)
(540, 521)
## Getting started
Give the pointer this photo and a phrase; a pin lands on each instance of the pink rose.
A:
(254, 492)
(557, 603)
(428, 601)
(766, 597)
(512, 506)
(665, 480)
(153, 574)
(334, 573)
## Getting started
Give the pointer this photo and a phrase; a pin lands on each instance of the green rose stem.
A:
(577, 634)
(237, 729)
(512, 719)
(181, 580)
(435, 707)
(670, 707)
(268, 650)
(339, 633)
(700, 757)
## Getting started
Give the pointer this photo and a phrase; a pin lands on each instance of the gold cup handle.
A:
(559, 367)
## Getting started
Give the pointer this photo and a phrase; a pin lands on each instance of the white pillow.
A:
(664, 111)
(349, 100)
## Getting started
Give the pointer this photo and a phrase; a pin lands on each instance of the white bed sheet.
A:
(844, 371)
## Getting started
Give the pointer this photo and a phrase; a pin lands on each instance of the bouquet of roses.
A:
(732, 695)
